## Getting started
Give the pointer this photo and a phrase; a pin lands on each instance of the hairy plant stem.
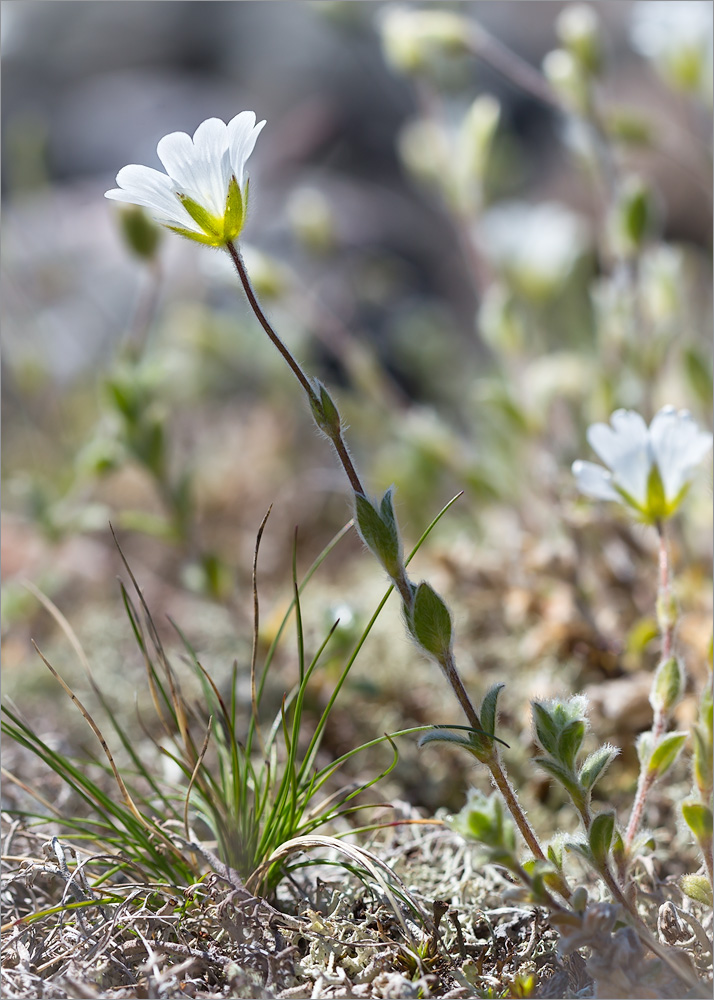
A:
(295, 367)
(402, 584)
(647, 778)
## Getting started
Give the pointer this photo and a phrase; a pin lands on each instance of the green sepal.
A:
(595, 765)
(665, 753)
(700, 821)
(489, 708)
(430, 622)
(234, 216)
(212, 225)
(141, 233)
(697, 887)
(208, 241)
(600, 837)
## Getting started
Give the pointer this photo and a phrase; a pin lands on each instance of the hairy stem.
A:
(295, 367)
(667, 623)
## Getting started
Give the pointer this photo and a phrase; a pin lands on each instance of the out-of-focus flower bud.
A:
(411, 38)
(312, 219)
(634, 217)
(141, 234)
(578, 28)
(567, 78)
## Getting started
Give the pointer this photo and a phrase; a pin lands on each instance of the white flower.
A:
(203, 193)
(650, 468)
(677, 37)
(535, 246)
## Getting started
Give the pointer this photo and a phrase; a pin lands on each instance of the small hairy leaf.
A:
(431, 621)
(595, 765)
(489, 708)
(545, 727)
(665, 753)
(697, 887)
(698, 818)
(600, 836)
(570, 741)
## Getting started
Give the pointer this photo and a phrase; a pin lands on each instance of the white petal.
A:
(678, 446)
(243, 133)
(210, 142)
(624, 447)
(139, 185)
(191, 173)
(594, 481)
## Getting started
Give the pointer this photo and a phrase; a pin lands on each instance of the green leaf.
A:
(570, 741)
(555, 853)
(665, 753)
(324, 411)
(698, 818)
(545, 727)
(431, 622)
(600, 836)
(562, 774)
(667, 685)
(697, 887)
(379, 535)
(441, 736)
(489, 708)
(595, 765)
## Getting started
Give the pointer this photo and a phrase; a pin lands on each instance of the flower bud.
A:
(634, 217)
(140, 233)
(312, 219)
(667, 685)
(412, 38)
(566, 77)
(578, 28)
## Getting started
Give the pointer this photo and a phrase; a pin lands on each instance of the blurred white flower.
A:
(533, 246)
(648, 468)
(203, 194)
(677, 37)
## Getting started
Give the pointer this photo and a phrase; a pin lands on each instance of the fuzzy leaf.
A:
(545, 727)
(570, 741)
(555, 854)
(595, 765)
(600, 836)
(381, 537)
(665, 753)
(431, 621)
(698, 818)
(489, 708)
(324, 411)
(561, 774)
(440, 736)
(697, 887)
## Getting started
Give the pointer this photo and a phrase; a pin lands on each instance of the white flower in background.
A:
(648, 468)
(677, 37)
(203, 194)
(534, 246)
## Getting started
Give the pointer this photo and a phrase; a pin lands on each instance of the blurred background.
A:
(485, 225)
